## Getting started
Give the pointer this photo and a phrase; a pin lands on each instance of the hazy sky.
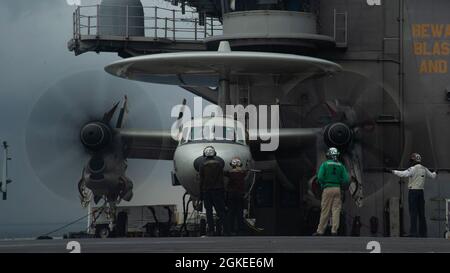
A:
(34, 58)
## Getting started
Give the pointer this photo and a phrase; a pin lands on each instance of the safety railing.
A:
(158, 23)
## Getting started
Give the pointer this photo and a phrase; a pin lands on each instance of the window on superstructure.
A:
(248, 5)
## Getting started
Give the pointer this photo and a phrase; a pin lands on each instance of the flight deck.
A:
(233, 245)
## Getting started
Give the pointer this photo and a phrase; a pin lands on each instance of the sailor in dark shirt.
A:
(213, 189)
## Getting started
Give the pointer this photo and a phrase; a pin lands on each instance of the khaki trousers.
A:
(331, 202)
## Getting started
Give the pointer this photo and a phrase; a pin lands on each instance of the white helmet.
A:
(333, 153)
(415, 157)
(209, 151)
(236, 162)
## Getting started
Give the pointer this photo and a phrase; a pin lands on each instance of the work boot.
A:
(334, 234)
(317, 234)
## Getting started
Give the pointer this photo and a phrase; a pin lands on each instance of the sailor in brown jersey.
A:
(235, 191)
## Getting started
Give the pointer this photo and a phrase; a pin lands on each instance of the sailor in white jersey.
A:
(417, 175)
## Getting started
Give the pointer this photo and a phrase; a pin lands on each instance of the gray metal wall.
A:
(373, 51)
(376, 56)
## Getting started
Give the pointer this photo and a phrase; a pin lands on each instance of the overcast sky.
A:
(34, 58)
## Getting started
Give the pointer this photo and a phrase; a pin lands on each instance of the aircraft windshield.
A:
(209, 133)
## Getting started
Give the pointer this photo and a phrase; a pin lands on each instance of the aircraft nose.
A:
(198, 161)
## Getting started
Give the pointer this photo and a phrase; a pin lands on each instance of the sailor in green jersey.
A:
(331, 176)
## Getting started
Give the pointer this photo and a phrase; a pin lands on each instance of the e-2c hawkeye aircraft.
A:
(110, 145)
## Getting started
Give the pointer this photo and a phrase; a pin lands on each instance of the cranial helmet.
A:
(416, 158)
(209, 151)
(333, 153)
(236, 162)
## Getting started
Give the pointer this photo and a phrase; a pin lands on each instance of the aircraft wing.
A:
(159, 144)
(289, 138)
(148, 144)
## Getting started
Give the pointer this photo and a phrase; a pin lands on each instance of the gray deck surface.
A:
(230, 245)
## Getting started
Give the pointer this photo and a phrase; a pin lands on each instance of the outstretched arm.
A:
(406, 173)
(431, 174)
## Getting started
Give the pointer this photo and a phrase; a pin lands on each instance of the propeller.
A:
(347, 106)
(180, 119)
(123, 110)
(54, 148)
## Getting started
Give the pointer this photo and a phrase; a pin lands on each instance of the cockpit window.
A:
(211, 133)
(197, 133)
